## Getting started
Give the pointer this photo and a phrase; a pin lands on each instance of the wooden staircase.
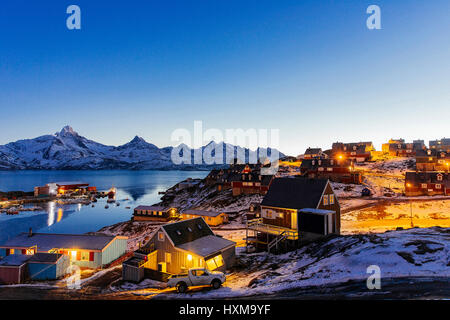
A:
(274, 243)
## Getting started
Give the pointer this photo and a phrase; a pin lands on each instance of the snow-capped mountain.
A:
(68, 150)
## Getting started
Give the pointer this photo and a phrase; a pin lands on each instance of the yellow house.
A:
(212, 218)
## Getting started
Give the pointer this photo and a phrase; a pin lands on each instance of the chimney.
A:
(30, 232)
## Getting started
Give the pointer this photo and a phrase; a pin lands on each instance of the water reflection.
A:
(60, 214)
(133, 188)
(51, 213)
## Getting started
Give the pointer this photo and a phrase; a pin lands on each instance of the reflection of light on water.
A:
(60, 215)
(79, 207)
(51, 213)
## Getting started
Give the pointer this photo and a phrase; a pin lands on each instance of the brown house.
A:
(442, 144)
(176, 247)
(427, 184)
(432, 160)
(294, 208)
(313, 153)
(335, 170)
(355, 151)
(250, 183)
(212, 218)
(154, 213)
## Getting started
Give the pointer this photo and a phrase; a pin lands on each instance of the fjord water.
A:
(133, 188)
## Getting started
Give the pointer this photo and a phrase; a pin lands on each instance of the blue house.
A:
(86, 251)
(48, 266)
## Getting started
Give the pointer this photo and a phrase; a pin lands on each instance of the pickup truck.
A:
(196, 277)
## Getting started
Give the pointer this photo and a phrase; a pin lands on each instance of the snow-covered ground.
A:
(381, 217)
(413, 252)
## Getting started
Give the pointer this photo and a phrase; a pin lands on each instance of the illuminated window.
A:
(160, 213)
(215, 262)
(29, 252)
(331, 198)
(161, 236)
(439, 177)
(73, 254)
(438, 186)
(424, 185)
(168, 257)
(325, 200)
(84, 255)
(11, 251)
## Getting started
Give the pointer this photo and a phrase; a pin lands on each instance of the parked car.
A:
(366, 192)
(196, 277)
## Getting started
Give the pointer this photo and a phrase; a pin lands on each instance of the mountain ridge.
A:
(67, 149)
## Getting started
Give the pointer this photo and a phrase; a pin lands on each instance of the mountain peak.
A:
(67, 130)
(137, 139)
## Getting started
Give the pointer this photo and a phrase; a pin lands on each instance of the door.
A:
(330, 223)
(200, 278)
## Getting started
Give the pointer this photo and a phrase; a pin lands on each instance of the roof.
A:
(187, 230)
(203, 213)
(427, 177)
(316, 211)
(252, 177)
(70, 183)
(134, 261)
(313, 151)
(48, 241)
(14, 260)
(295, 193)
(43, 257)
(206, 246)
(326, 163)
(152, 208)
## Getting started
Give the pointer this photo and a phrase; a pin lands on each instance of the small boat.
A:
(117, 204)
(127, 207)
(11, 212)
(106, 207)
(93, 206)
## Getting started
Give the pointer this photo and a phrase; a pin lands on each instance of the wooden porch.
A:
(275, 234)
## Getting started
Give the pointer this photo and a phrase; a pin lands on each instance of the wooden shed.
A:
(48, 266)
(13, 269)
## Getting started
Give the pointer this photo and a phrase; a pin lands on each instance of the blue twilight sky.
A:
(309, 68)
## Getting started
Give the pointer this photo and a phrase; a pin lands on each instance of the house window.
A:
(439, 177)
(160, 213)
(438, 186)
(168, 257)
(215, 262)
(29, 252)
(320, 169)
(11, 251)
(424, 185)
(84, 256)
(329, 169)
(325, 200)
(331, 198)
(161, 236)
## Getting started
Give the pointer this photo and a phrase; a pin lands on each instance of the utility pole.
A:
(411, 217)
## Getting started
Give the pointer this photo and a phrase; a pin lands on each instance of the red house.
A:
(427, 183)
